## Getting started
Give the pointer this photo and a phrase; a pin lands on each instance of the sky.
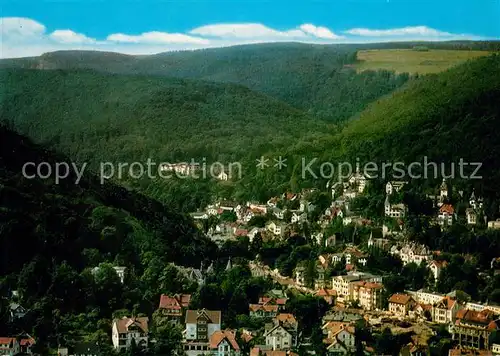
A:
(33, 27)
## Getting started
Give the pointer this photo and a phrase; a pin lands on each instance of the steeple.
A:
(229, 264)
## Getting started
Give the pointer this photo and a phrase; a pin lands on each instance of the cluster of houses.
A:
(470, 324)
(203, 333)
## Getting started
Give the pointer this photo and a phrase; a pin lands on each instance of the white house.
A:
(277, 229)
(279, 213)
(436, 267)
(223, 343)
(340, 338)
(394, 186)
(223, 176)
(471, 216)
(475, 203)
(394, 210)
(298, 217)
(120, 271)
(126, 329)
(412, 252)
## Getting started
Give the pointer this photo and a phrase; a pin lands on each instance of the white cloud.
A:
(157, 37)
(21, 37)
(404, 31)
(319, 32)
(243, 31)
(68, 36)
(16, 28)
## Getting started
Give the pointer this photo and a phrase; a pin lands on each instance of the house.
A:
(446, 215)
(277, 229)
(357, 181)
(279, 213)
(394, 210)
(9, 346)
(298, 217)
(328, 295)
(378, 243)
(368, 294)
(273, 202)
(471, 216)
(173, 307)
(401, 304)
(223, 176)
(120, 271)
(445, 311)
(494, 224)
(436, 267)
(394, 186)
(473, 328)
(16, 311)
(342, 285)
(280, 301)
(412, 253)
(223, 343)
(227, 205)
(263, 311)
(278, 338)
(282, 334)
(199, 216)
(299, 275)
(340, 338)
(201, 324)
(126, 329)
(475, 203)
(424, 297)
(354, 256)
(26, 343)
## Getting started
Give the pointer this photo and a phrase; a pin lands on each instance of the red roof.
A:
(447, 208)
(6, 340)
(219, 336)
(177, 302)
(27, 342)
(400, 299)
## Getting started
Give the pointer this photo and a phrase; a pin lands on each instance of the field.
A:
(413, 61)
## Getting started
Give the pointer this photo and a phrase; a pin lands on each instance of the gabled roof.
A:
(400, 299)
(219, 336)
(124, 324)
(178, 301)
(266, 308)
(446, 303)
(286, 319)
(212, 316)
(447, 208)
(466, 315)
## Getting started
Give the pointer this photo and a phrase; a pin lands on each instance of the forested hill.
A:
(316, 78)
(95, 117)
(52, 235)
(445, 116)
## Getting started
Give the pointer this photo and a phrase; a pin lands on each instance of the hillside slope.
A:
(97, 117)
(53, 235)
(310, 77)
(444, 117)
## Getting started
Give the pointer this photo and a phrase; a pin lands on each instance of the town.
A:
(372, 282)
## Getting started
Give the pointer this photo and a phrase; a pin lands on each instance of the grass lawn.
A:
(412, 61)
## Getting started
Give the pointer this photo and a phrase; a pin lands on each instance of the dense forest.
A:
(53, 235)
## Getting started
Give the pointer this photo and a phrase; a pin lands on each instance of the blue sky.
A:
(94, 24)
